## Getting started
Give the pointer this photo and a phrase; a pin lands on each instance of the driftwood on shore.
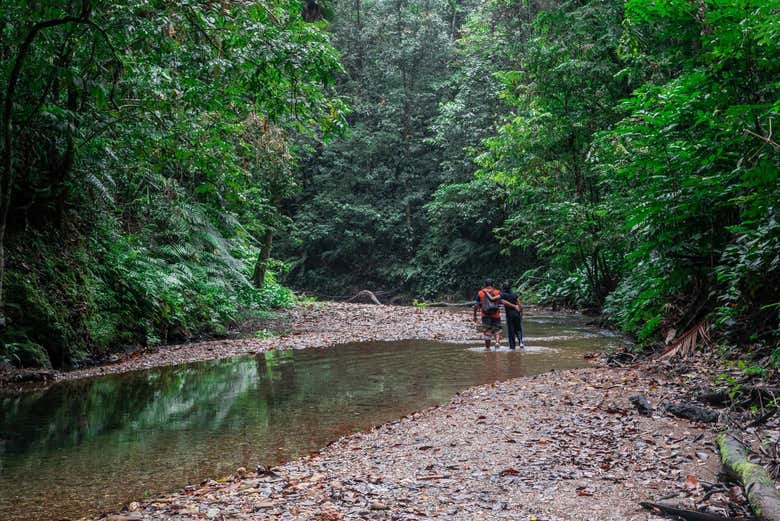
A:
(759, 486)
(449, 304)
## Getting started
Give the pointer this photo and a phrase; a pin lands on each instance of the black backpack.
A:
(488, 306)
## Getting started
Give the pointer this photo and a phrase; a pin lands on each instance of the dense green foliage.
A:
(608, 154)
(621, 150)
(368, 216)
(687, 168)
(147, 148)
(639, 144)
(360, 218)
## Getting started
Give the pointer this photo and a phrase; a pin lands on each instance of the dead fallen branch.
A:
(762, 419)
(687, 515)
(622, 358)
(433, 477)
(448, 304)
(759, 486)
(765, 139)
(369, 294)
(764, 391)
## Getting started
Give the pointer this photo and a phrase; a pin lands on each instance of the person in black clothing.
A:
(514, 315)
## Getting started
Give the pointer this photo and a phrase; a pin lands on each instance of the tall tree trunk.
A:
(261, 266)
(454, 6)
(359, 32)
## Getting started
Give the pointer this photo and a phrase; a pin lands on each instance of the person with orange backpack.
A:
(487, 301)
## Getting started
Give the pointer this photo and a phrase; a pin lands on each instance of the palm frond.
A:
(683, 346)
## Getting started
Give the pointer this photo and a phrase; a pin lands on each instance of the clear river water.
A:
(87, 446)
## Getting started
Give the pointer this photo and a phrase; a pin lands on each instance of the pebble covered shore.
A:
(559, 446)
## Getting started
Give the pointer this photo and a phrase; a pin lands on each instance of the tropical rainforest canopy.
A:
(169, 169)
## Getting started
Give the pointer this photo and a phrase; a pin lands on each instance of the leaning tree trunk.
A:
(759, 486)
(261, 265)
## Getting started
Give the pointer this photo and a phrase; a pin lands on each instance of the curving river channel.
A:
(88, 446)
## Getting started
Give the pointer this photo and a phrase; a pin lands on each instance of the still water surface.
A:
(87, 446)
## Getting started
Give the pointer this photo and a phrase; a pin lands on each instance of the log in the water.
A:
(759, 486)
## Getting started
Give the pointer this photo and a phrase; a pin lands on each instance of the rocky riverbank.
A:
(310, 325)
(559, 446)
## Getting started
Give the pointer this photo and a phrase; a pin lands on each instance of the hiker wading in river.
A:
(514, 315)
(487, 300)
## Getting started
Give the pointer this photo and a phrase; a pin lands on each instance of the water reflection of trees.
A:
(278, 388)
(269, 389)
(200, 396)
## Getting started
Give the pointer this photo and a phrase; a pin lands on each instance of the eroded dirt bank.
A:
(310, 325)
(559, 446)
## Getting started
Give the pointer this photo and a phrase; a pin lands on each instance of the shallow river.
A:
(87, 446)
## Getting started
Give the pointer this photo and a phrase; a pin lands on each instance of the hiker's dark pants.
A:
(514, 329)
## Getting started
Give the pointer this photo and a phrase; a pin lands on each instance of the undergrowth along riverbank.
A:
(71, 305)
(146, 159)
